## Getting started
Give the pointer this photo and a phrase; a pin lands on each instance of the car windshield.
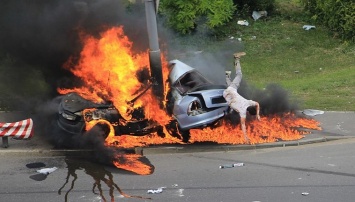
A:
(190, 81)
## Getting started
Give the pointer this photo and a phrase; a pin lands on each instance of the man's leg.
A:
(238, 73)
(228, 78)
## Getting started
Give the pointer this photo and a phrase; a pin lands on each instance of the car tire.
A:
(175, 131)
(103, 130)
(185, 135)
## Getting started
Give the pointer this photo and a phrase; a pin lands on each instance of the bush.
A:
(182, 15)
(338, 16)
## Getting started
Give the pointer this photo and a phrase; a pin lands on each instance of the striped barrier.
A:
(19, 130)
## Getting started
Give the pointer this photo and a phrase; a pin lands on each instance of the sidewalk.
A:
(335, 125)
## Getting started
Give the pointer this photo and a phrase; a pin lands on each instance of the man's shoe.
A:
(239, 54)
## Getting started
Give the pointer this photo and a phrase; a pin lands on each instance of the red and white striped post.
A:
(19, 130)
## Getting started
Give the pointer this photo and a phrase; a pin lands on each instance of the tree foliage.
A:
(183, 15)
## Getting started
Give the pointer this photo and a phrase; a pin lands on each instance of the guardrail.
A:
(19, 130)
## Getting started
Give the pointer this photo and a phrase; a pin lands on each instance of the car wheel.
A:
(174, 130)
(102, 130)
(185, 135)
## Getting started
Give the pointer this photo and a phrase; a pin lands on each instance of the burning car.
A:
(195, 101)
(75, 112)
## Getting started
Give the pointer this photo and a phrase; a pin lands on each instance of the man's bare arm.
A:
(244, 129)
(257, 111)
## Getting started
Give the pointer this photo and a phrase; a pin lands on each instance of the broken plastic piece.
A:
(258, 14)
(312, 112)
(47, 171)
(156, 191)
(243, 22)
(308, 27)
(231, 165)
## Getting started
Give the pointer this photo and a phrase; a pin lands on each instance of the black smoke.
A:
(38, 37)
(42, 34)
(273, 99)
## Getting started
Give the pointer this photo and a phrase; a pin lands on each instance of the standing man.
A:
(236, 101)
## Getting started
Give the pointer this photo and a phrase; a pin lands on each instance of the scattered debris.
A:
(175, 185)
(243, 22)
(180, 192)
(47, 171)
(312, 112)
(305, 193)
(156, 191)
(258, 14)
(231, 165)
(308, 27)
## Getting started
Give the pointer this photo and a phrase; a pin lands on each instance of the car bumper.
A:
(187, 122)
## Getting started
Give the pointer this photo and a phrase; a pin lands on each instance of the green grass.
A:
(316, 68)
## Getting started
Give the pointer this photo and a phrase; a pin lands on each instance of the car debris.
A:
(243, 22)
(312, 112)
(156, 191)
(258, 14)
(231, 165)
(308, 27)
(47, 171)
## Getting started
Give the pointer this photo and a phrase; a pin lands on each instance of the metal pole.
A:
(154, 52)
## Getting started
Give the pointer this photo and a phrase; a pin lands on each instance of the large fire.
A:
(108, 70)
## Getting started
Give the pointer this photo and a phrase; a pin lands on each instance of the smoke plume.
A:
(38, 37)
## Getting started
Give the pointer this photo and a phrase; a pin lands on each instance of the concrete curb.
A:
(173, 149)
(225, 148)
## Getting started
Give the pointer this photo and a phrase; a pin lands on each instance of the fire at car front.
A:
(75, 113)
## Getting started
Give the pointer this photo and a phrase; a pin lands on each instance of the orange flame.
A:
(268, 129)
(133, 163)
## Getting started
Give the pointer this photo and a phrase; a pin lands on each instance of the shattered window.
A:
(191, 81)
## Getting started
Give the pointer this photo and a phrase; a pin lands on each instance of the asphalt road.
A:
(321, 172)
(312, 169)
